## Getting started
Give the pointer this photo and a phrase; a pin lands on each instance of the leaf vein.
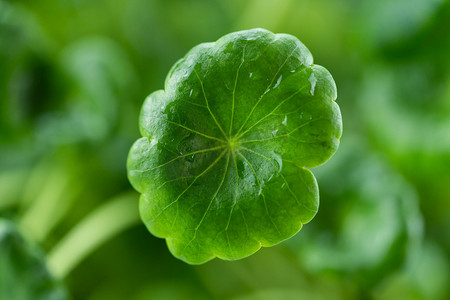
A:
(272, 112)
(207, 105)
(234, 88)
(266, 91)
(178, 157)
(262, 194)
(187, 128)
(289, 134)
(193, 181)
(210, 202)
(281, 175)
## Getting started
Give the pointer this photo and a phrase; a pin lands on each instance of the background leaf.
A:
(23, 272)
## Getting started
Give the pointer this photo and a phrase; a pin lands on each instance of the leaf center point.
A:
(233, 144)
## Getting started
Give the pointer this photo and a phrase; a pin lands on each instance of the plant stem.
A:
(52, 197)
(95, 229)
(11, 185)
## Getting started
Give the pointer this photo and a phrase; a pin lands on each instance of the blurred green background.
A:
(74, 73)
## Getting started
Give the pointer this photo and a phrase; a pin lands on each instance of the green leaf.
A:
(23, 271)
(370, 225)
(222, 164)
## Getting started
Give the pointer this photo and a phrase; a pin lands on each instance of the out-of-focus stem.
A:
(94, 230)
(51, 201)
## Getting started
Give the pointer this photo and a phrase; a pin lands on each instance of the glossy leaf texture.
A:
(23, 271)
(222, 164)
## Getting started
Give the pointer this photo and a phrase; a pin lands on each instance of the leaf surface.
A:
(222, 164)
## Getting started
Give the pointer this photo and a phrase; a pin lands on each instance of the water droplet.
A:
(153, 142)
(190, 158)
(313, 80)
(190, 94)
(284, 121)
(310, 117)
(278, 82)
(251, 74)
(278, 159)
(274, 133)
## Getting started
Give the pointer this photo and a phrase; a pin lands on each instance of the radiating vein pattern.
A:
(222, 166)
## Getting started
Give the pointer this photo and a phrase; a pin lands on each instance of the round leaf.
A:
(222, 162)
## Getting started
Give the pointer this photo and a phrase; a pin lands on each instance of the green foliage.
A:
(370, 224)
(23, 273)
(73, 75)
(222, 164)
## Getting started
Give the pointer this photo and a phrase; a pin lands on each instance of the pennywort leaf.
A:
(222, 164)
